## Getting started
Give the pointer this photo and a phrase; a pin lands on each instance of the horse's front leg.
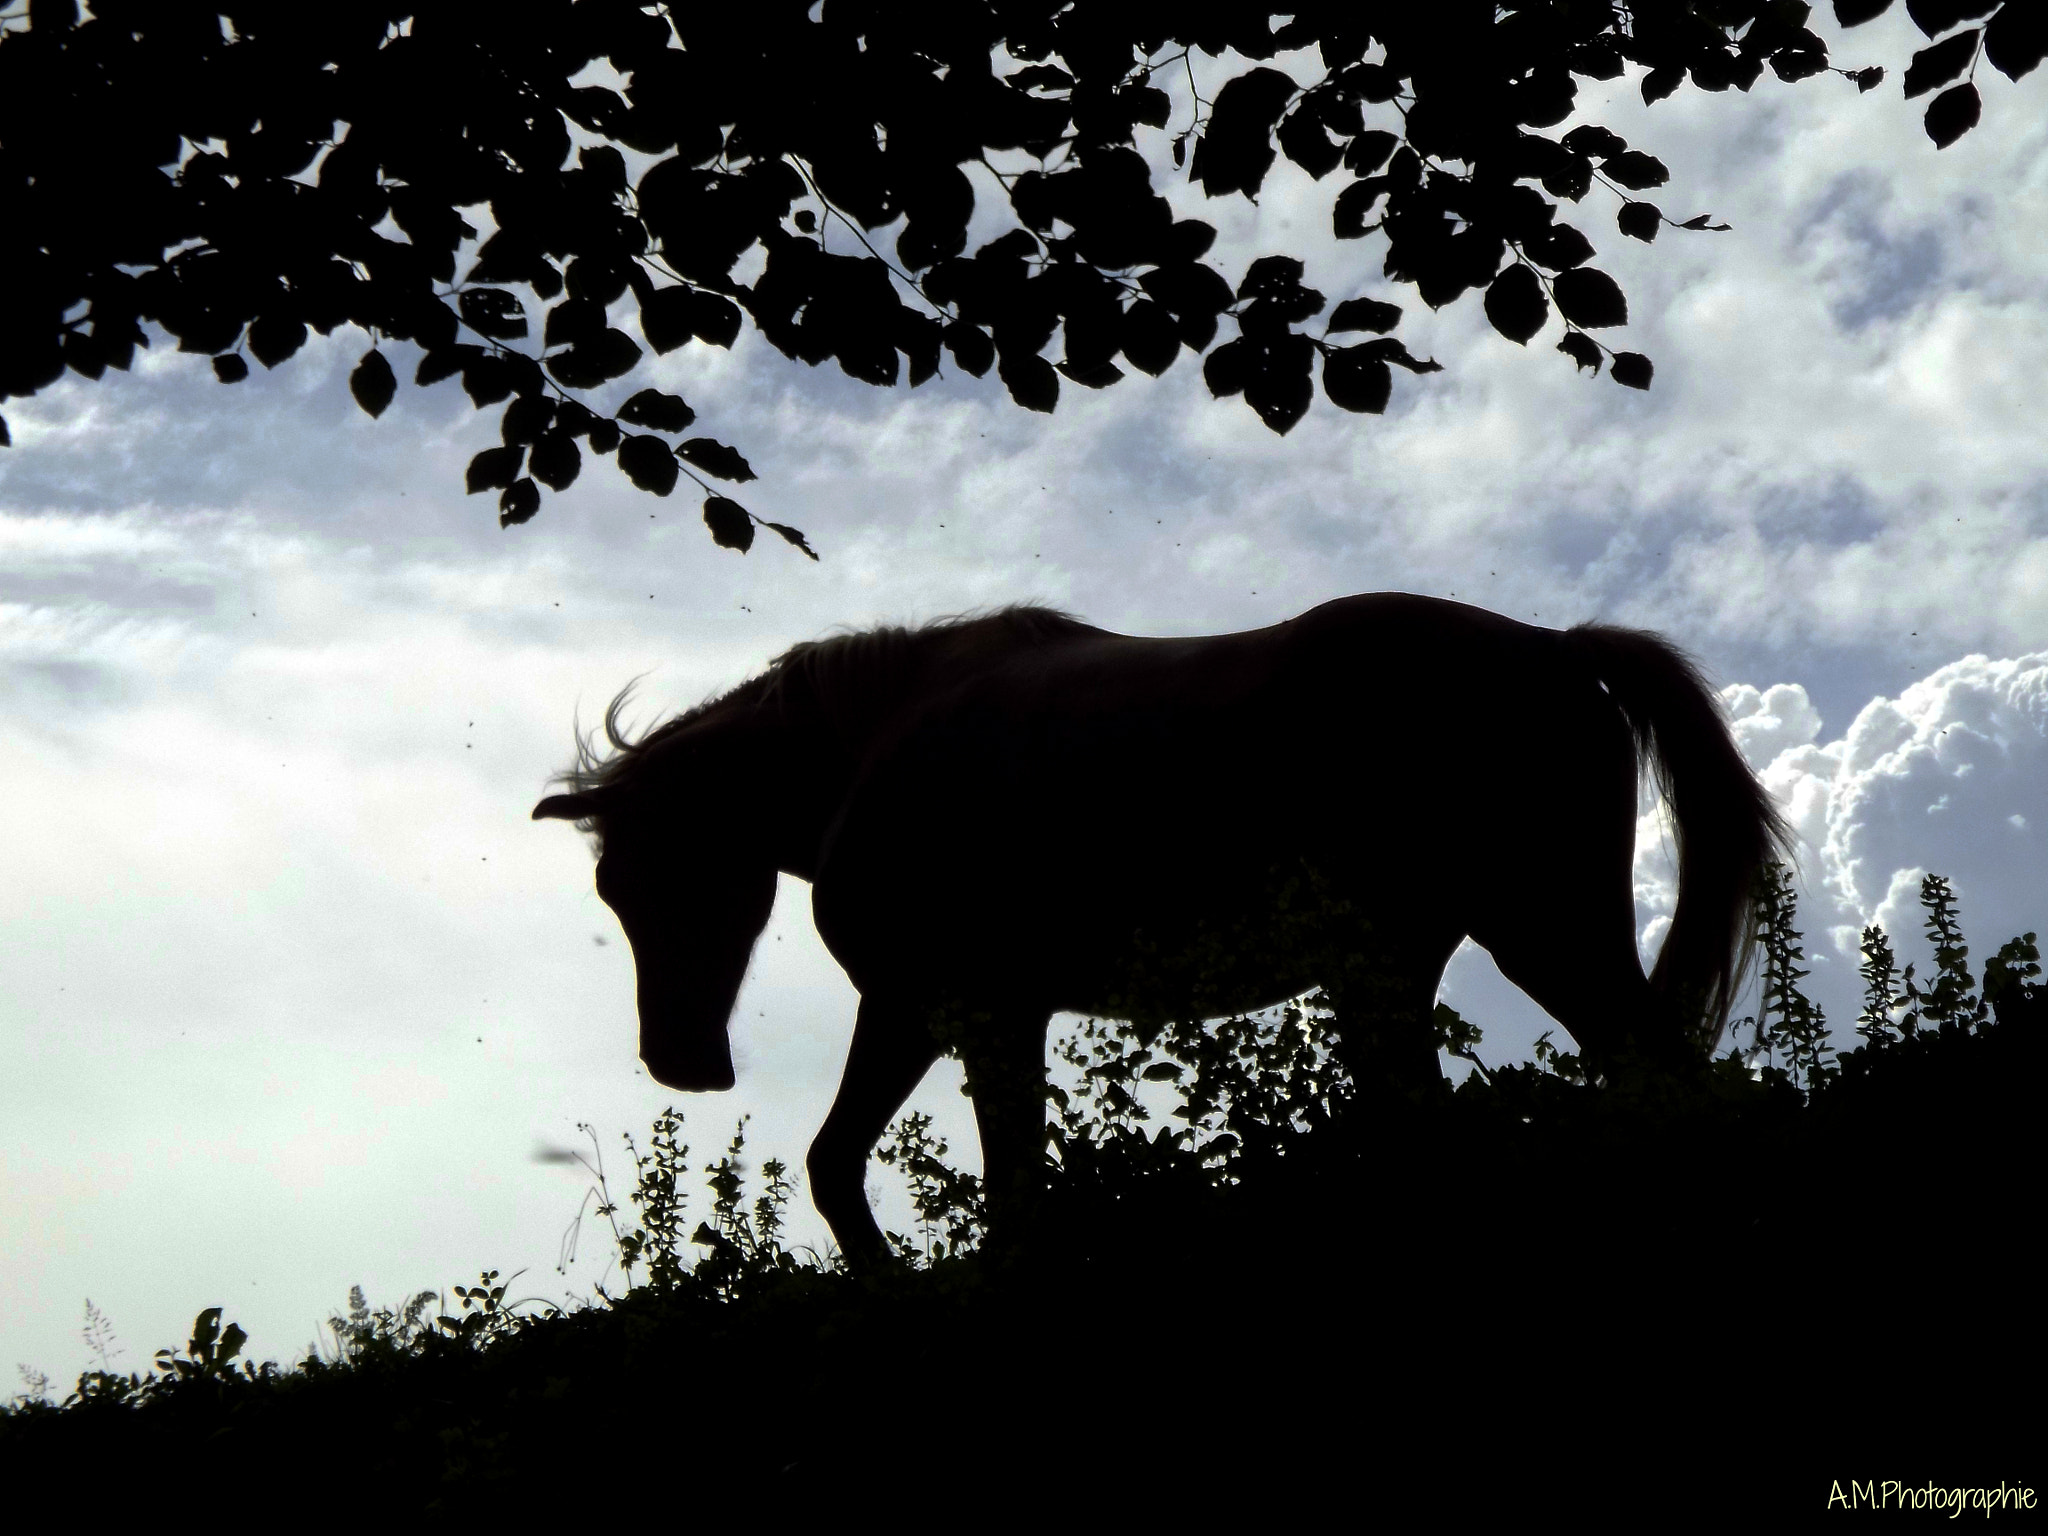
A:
(891, 1052)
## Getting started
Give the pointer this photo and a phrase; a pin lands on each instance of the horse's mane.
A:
(848, 677)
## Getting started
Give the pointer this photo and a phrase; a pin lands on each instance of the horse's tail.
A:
(1728, 829)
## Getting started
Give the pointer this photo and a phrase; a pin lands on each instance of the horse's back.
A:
(1095, 783)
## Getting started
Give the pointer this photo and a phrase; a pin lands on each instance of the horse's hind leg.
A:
(1566, 935)
(1384, 997)
(1585, 974)
(1004, 1054)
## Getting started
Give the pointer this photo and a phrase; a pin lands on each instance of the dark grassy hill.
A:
(1646, 1299)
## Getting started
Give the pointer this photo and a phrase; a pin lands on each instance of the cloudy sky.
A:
(292, 992)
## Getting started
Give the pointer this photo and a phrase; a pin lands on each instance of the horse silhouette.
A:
(1007, 816)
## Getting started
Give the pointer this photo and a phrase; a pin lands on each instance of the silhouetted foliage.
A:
(1295, 1273)
(1802, 1029)
(1880, 976)
(245, 175)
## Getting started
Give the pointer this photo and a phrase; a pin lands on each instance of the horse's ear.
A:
(568, 807)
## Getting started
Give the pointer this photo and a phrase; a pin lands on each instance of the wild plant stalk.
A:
(949, 1205)
(658, 1240)
(1801, 1028)
(1881, 995)
(99, 1336)
(743, 1245)
(1951, 1003)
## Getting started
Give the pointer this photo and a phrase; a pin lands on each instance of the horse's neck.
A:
(796, 764)
(841, 702)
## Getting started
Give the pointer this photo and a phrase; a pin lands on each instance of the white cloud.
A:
(1950, 778)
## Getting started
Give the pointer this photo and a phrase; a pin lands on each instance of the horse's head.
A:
(692, 906)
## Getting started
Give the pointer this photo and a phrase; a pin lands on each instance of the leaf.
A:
(520, 501)
(372, 383)
(1868, 79)
(1592, 140)
(1365, 315)
(555, 460)
(495, 468)
(1279, 387)
(714, 318)
(1277, 280)
(794, 537)
(1389, 349)
(1308, 144)
(573, 321)
(663, 412)
(1100, 376)
(603, 435)
(83, 354)
(1582, 349)
(1515, 304)
(2017, 39)
(1354, 203)
(1935, 17)
(230, 369)
(1046, 77)
(1795, 64)
(1543, 98)
(1192, 288)
(1374, 82)
(493, 312)
(716, 459)
(1636, 170)
(649, 463)
(1187, 240)
(1952, 114)
(446, 362)
(1356, 381)
(1661, 82)
(970, 346)
(1226, 369)
(1558, 247)
(1701, 221)
(1568, 176)
(1640, 220)
(1589, 298)
(1368, 152)
(664, 318)
(487, 379)
(1941, 63)
(525, 419)
(1148, 337)
(1236, 151)
(1632, 369)
(591, 363)
(1030, 379)
(1597, 58)
(732, 526)
(273, 338)
(1147, 104)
